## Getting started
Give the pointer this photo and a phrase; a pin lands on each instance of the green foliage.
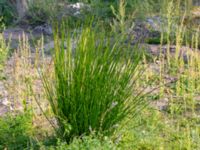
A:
(141, 8)
(2, 24)
(94, 89)
(144, 8)
(90, 142)
(93, 86)
(152, 125)
(87, 143)
(41, 11)
(15, 131)
(7, 11)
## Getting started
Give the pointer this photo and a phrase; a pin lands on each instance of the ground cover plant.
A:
(106, 83)
(16, 131)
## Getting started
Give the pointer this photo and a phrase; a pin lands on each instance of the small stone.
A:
(43, 29)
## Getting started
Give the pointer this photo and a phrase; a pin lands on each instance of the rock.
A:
(155, 23)
(149, 28)
(3, 109)
(145, 29)
(78, 7)
(138, 34)
(49, 46)
(3, 95)
(75, 10)
(161, 104)
(185, 52)
(12, 36)
(14, 33)
(43, 29)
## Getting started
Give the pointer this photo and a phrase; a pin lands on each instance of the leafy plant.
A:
(15, 131)
(88, 142)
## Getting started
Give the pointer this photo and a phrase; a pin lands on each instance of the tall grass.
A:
(94, 87)
(4, 48)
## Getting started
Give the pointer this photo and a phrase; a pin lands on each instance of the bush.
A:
(15, 131)
(87, 143)
(41, 11)
(93, 86)
(7, 11)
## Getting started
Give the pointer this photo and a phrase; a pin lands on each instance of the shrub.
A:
(80, 143)
(7, 11)
(41, 11)
(15, 131)
(87, 142)
(93, 86)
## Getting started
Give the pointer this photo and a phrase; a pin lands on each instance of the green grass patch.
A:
(93, 89)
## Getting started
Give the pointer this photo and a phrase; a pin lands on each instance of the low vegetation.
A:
(103, 84)
(92, 81)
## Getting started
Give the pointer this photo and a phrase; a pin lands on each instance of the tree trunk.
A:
(21, 6)
(196, 2)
